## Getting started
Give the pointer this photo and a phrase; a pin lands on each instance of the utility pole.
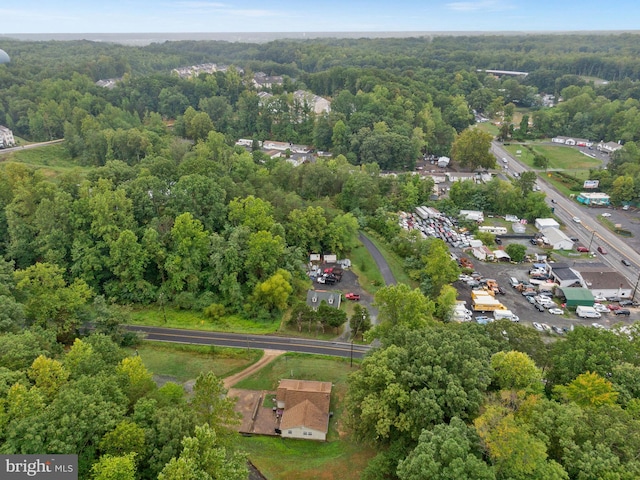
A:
(591, 241)
(635, 289)
(351, 353)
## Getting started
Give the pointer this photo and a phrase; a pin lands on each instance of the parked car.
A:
(606, 214)
(597, 325)
(539, 307)
(599, 298)
(575, 239)
(626, 262)
(556, 311)
(538, 327)
(622, 311)
(612, 307)
(583, 249)
(598, 307)
(482, 320)
(531, 299)
(352, 296)
(558, 330)
(545, 327)
(625, 303)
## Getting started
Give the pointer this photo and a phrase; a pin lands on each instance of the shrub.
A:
(215, 311)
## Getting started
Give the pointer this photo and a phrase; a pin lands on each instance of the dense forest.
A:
(160, 207)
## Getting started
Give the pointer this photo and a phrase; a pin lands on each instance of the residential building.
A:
(304, 406)
(262, 80)
(579, 142)
(316, 297)
(608, 147)
(6, 138)
(318, 104)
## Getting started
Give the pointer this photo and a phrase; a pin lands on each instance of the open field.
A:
(186, 362)
(155, 316)
(53, 160)
(339, 457)
(560, 157)
(289, 459)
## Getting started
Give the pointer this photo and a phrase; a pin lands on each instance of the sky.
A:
(140, 16)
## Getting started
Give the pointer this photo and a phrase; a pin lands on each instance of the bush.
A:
(185, 301)
(215, 311)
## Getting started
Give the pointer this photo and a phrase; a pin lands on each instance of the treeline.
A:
(96, 401)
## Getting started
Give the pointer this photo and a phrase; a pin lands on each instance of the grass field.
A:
(560, 158)
(288, 459)
(155, 316)
(278, 458)
(52, 160)
(186, 362)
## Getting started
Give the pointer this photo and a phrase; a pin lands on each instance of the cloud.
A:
(487, 5)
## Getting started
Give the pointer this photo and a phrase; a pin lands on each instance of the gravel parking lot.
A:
(519, 305)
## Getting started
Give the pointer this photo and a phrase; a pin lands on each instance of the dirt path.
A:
(268, 357)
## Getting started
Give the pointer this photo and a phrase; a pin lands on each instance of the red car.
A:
(613, 307)
(583, 249)
(352, 296)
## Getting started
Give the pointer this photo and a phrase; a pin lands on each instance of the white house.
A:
(318, 104)
(6, 138)
(304, 406)
(608, 147)
(557, 239)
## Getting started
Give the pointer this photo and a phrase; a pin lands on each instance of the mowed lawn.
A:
(286, 459)
(560, 158)
(186, 362)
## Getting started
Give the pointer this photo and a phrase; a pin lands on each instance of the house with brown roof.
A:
(304, 406)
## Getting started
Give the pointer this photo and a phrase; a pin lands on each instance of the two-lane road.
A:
(289, 344)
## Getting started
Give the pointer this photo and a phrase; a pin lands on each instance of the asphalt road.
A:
(288, 344)
(383, 266)
(590, 232)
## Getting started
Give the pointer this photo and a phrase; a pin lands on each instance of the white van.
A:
(587, 312)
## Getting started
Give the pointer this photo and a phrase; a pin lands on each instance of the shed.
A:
(576, 296)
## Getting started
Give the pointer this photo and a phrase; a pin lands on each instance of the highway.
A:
(236, 340)
(590, 232)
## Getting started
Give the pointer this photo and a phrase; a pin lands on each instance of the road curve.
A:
(383, 266)
(237, 340)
